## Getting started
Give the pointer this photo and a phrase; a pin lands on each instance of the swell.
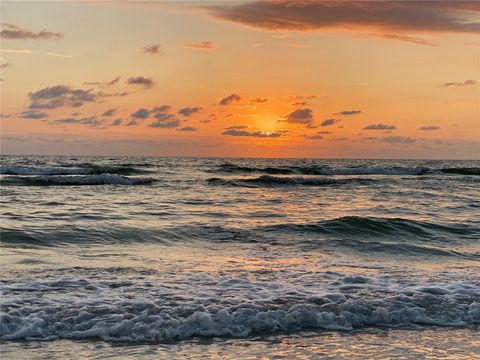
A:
(74, 180)
(374, 235)
(359, 170)
(82, 169)
(268, 180)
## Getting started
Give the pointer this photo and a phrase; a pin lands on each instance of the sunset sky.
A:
(354, 79)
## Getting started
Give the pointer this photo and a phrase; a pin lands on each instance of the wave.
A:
(88, 169)
(154, 320)
(315, 170)
(462, 171)
(268, 180)
(103, 179)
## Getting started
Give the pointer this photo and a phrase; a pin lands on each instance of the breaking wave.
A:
(268, 180)
(88, 169)
(103, 179)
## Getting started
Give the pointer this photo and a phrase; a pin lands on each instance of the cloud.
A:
(258, 134)
(398, 140)
(4, 65)
(189, 111)
(165, 124)
(429, 128)
(91, 121)
(380, 127)
(140, 80)
(230, 99)
(324, 132)
(381, 16)
(187, 128)
(12, 32)
(465, 83)
(109, 112)
(161, 109)
(348, 112)
(104, 83)
(260, 100)
(116, 122)
(32, 114)
(132, 122)
(300, 116)
(313, 137)
(237, 127)
(329, 122)
(141, 113)
(410, 39)
(203, 45)
(152, 49)
(17, 51)
(300, 97)
(58, 96)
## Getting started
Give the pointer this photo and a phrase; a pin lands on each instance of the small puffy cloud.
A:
(140, 80)
(165, 124)
(132, 122)
(12, 32)
(189, 111)
(116, 122)
(300, 116)
(152, 49)
(161, 109)
(329, 122)
(109, 112)
(324, 132)
(260, 100)
(237, 127)
(140, 114)
(202, 45)
(91, 121)
(58, 96)
(348, 112)
(380, 127)
(187, 128)
(258, 134)
(398, 140)
(230, 99)
(429, 128)
(464, 83)
(32, 114)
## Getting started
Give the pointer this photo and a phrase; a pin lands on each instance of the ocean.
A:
(194, 258)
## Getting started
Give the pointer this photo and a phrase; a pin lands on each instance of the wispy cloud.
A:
(398, 140)
(348, 112)
(13, 32)
(464, 83)
(202, 45)
(140, 80)
(103, 83)
(380, 127)
(187, 128)
(152, 49)
(329, 122)
(257, 134)
(189, 111)
(230, 99)
(429, 128)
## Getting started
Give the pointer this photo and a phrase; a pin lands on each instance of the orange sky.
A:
(259, 79)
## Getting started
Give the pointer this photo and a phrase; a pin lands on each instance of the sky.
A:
(321, 79)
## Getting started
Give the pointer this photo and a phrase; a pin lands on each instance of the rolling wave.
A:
(74, 180)
(268, 180)
(89, 169)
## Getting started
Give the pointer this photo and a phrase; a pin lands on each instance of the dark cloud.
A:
(348, 112)
(32, 114)
(324, 132)
(380, 127)
(429, 128)
(398, 140)
(465, 83)
(381, 16)
(165, 123)
(300, 116)
(329, 122)
(116, 122)
(103, 83)
(140, 114)
(153, 49)
(91, 121)
(12, 32)
(188, 111)
(187, 128)
(161, 109)
(203, 45)
(230, 99)
(59, 96)
(109, 112)
(237, 127)
(140, 80)
(132, 122)
(260, 100)
(258, 134)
